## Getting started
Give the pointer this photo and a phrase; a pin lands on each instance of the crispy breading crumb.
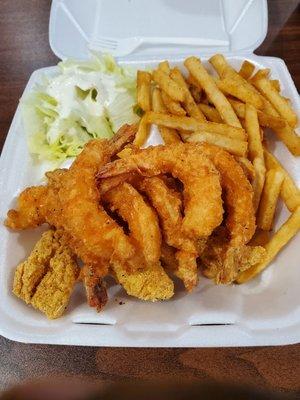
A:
(150, 284)
(46, 279)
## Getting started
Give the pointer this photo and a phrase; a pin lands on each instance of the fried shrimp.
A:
(225, 254)
(96, 235)
(74, 206)
(168, 206)
(31, 204)
(150, 283)
(238, 194)
(223, 263)
(37, 205)
(72, 203)
(127, 202)
(203, 208)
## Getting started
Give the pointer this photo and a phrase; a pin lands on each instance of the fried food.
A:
(47, 277)
(127, 202)
(200, 74)
(140, 215)
(284, 234)
(234, 84)
(269, 198)
(255, 148)
(279, 103)
(150, 283)
(168, 135)
(95, 237)
(247, 69)
(203, 209)
(240, 220)
(238, 194)
(143, 79)
(210, 113)
(259, 180)
(142, 133)
(234, 146)
(168, 206)
(174, 107)
(80, 214)
(189, 102)
(191, 124)
(168, 85)
(29, 213)
(289, 192)
(223, 263)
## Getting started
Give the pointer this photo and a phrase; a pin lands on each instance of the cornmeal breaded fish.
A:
(46, 279)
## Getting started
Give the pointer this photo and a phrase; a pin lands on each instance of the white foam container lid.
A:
(265, 311)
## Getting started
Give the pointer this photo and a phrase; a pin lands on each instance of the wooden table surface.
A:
(24, 47)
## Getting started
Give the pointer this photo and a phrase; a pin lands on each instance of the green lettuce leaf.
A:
(84, 100)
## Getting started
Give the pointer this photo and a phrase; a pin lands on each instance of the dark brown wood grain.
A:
(24, 47)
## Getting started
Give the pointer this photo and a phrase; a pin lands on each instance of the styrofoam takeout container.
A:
(262, 312)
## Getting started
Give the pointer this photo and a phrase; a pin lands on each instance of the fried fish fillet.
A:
(47, 278)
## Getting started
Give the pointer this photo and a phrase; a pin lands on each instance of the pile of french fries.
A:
(230, 111)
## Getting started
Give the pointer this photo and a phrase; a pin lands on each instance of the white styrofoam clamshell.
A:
(265, 311)
(240, 24)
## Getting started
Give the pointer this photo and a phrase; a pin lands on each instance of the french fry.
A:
(270, 118)
(164, 66)
(284, 234)
(278, 102)
(276, 84)
(269, 198)
(157, 102)
(196, 93)
(211, 113)
(289, 192)
(289, 137)
(168, 85)
(233, 83)
(265, 120)
(261, 73)
(233, 146)
(192, 81)
(199, 73)
(285, 133)
(191, 124)
(143, 132)
(247, 70)
(220, 65)
(259, 180)
(174, 107)
(195, 88)
(231, 86)
(144, 90)
(252, 128)
(248, 168)
(189, 102)
(124, 153)
(168, 135)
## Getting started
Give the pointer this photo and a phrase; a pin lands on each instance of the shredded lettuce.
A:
(84, 100)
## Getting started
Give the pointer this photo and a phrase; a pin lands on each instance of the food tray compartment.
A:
(264, 311)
